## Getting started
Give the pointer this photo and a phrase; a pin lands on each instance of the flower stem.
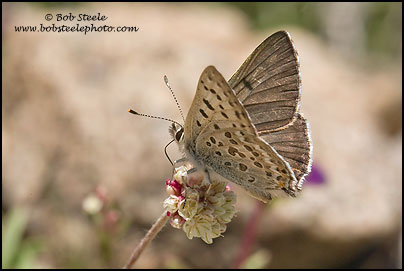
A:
(157, 226)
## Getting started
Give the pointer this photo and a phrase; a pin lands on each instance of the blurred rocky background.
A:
(83, 179)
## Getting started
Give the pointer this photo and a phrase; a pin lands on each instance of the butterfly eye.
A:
(179, 135)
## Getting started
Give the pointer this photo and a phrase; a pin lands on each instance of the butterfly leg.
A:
(183, 159)
(192, 170)
(181, 162)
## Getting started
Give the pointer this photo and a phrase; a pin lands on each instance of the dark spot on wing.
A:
(208, 104)
(232, 151)
(203, 113)
(258, 164)
(242, 167)
(232, 141)
(247, 84)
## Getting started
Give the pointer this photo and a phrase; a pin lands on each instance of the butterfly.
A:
(248, 130)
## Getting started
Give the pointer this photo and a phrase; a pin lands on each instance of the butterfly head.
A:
(177, 132)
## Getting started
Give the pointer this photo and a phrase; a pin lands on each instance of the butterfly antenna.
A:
(153, 117)
(175, 98)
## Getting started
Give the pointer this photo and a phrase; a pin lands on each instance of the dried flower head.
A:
(199, 207)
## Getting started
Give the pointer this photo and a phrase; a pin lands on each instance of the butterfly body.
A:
(227, 134)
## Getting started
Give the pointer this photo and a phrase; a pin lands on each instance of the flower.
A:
(316, 175)
(171, 204)
(92, 204)
(201, 208)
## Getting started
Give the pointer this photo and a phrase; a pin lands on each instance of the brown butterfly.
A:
(249, 130)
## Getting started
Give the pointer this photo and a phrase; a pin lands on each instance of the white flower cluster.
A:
(201, 209)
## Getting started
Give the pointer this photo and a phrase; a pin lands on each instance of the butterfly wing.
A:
(219, 135)
(268, 83)
(294, 145)
(269, 86)
(212, 101)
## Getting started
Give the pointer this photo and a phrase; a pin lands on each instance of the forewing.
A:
(294, 145)
(268, 83)
(213, 101)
